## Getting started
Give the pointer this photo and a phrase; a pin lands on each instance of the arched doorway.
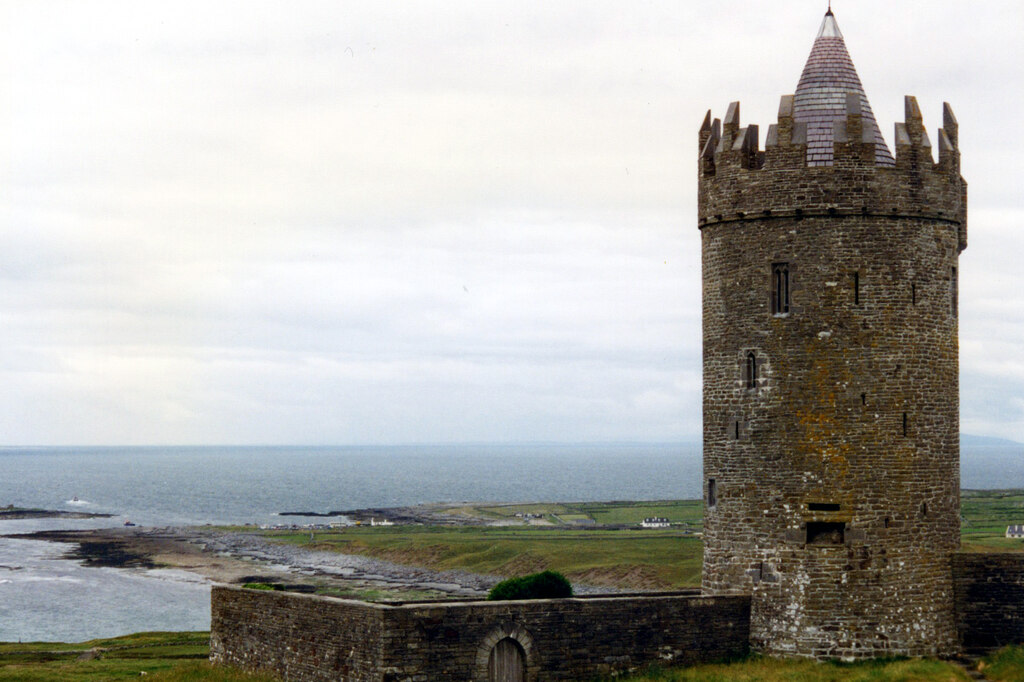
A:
(507, 662)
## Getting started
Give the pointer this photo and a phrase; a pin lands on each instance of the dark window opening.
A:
(825, 533)
(863, 398)
(904, 423)
(888, 522)
(823, 506)
(750, 370)
(856, 288)
(924, 509)
(712, 493)
(780, 288)
(736, 430)
(953, 293)
(913, 293)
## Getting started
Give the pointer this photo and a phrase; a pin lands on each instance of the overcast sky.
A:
(384, 222)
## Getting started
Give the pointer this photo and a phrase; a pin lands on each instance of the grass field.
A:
(629, 558)
(641, 559)
(758, 669)
(160, 656)
(986, 514)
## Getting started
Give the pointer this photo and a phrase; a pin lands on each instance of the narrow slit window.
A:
(913, 293)
(712, 493)
(736, 430)
(863, 398)
(750, 370)
(904, 423)
(953, 294)
(856, 288)
(780, 288)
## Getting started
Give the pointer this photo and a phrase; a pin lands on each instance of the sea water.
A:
(45, 597)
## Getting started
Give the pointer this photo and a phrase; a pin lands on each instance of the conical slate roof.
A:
(821, 96)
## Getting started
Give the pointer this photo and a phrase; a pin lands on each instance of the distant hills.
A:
(968, 440)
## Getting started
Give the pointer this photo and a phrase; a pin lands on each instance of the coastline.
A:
(238, 557)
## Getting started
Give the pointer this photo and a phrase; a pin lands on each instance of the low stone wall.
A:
(305, 637)
(989, 598)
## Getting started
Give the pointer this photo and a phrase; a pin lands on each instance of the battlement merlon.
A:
(738, 180)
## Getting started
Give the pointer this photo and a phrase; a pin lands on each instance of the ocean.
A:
(46, 598)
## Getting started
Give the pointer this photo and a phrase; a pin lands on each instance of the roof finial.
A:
(829, 12)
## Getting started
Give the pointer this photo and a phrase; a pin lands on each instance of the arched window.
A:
(750, 370)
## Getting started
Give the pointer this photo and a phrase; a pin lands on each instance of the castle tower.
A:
(831, 398)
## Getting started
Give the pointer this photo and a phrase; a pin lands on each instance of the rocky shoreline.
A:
(239, 557)
(15, 514)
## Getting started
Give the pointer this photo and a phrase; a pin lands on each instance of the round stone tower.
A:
(831, 398)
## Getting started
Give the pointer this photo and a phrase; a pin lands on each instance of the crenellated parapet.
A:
(739, 181)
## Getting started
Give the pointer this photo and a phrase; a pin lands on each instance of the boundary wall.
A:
(312, 638)
(989, 596)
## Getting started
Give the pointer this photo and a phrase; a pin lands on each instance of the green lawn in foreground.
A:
(757, 669)
(162, 656)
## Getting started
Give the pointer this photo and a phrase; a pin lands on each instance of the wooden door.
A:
(507, 662)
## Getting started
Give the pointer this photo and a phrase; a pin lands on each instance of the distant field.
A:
(986, 514)
(636, 559)
(685, 513)
(627, 558)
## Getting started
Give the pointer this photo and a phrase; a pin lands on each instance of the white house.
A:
(1015, 531)
(655, 522)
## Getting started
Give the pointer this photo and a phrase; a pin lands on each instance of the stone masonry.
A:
(989, 591)
(831, 411)
(312, 638)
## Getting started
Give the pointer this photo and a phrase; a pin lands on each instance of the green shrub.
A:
(545, 585)
(262, 586)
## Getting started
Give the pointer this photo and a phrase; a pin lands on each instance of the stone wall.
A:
(989, 591)
(307, 637)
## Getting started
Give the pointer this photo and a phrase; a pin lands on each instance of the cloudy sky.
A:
(384, 222)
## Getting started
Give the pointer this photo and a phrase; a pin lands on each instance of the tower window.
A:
(913, 293)
(712, 494)
(750, 370)
(780, 288)
(825, 533)
(953, 294)
(856, 288)
(904, 424)
(736, 429)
